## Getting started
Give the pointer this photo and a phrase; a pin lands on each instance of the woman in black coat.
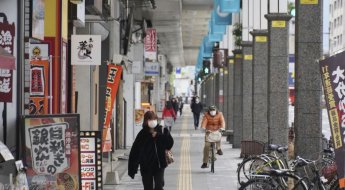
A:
(148, 151)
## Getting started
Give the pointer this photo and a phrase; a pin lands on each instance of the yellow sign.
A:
(261, 38)
(226, 72)
(231, 61)
(279, 24)
(309, 2)
(248, 57)
(238, 56)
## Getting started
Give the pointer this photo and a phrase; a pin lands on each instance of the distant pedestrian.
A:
(168, 115)
(196, 107)
(174, 104)
(148, 152)
(180, 105)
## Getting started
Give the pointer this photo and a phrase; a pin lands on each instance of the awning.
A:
(7, 61)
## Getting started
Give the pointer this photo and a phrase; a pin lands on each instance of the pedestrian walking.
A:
(175, 105)
(168, 115)
(148, 152)
(196, 107)
(180, 106)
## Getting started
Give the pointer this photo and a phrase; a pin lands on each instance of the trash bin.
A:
(251, 148)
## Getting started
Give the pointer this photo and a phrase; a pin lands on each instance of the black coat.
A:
(196, 107)
(149, 152)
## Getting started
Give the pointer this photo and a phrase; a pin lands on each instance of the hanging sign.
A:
(6, 77)
(152, 68)
(90, 160)
(86, 49)
(113, 81)
(333, 80)
(150, 44)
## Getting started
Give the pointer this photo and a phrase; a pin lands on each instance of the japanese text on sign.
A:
(339, 79)
(5, 81)
(48, 149)
(6, 39)
(333, 113)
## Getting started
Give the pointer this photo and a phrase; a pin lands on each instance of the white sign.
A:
(152, 68)
(38, 51)
(86, 49)
(88, 172)
(150, 44)
(87, 144)
(48, 148)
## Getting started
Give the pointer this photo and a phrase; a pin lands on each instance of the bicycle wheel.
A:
(291, 181)
(258, 184)
(212, 158)
(246, 169)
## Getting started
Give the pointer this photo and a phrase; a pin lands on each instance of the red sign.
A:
(6, 85)
(7, 33)
(113, 81)
(39, 83)
(151, 40)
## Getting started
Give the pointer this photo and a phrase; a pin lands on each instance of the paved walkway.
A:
(185, 173)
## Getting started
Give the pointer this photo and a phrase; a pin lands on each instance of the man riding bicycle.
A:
(212, 121)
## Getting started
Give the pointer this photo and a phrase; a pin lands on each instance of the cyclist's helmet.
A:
(212, 107)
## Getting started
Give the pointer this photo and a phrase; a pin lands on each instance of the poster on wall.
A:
(91, 160)
(113, 81)
(51, 151)
(39, 87)
(6, 83)
(39, 51)
(37, 22)
(86, 49)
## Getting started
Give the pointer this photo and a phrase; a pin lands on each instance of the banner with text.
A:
(150, 44)
(113, 81)
(333, 80)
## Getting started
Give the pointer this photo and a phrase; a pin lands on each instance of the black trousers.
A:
(153, 176)
(196, 119)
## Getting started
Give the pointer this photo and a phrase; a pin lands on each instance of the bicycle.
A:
(213, 137)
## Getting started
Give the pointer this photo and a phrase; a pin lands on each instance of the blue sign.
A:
(221, 18)
(152, 68)
(178, 70)
(229, 6)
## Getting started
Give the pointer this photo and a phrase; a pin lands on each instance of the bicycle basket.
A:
(329, 171)
(214, 136)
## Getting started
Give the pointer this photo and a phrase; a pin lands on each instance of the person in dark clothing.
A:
(196, 107)
(175, 105)
(180, 106)
(148, 152)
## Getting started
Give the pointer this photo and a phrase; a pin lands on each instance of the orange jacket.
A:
(213, 123)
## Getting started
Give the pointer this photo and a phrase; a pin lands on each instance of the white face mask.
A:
(152, 123)
(213, 113)
(197, 100)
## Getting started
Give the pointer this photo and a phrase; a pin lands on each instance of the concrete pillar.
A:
(220, 98)
(230, 99)
(226, 95)
(308, 49)
(238, 98)
(260, 83)
(213, 91)
(278, 46)
(247, 74)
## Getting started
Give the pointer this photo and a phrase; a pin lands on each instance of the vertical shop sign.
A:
(150, 44)
(51, 151)
(39, 85)
(37, 22)
(63, 96)
(333, 80)
(113, 81)
(7, 33)
(91, 160)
